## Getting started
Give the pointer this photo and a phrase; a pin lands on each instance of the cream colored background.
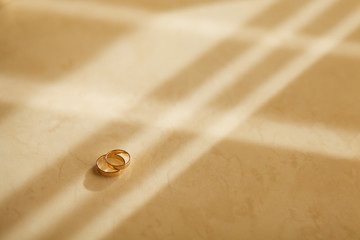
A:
(242, 118)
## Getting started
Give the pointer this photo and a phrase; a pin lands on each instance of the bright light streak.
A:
(223, 126)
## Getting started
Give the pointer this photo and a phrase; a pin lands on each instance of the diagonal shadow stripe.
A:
(145, 166)
(192, 77)
(160, 5)
(43, 46)
(339, 35)
(80, 224)
(327, 94)
(256, 192)
(276, 14)
(48, 183)
(18, 200)
(328, 19)
(77, 223)
(184, 84)
(253, 78)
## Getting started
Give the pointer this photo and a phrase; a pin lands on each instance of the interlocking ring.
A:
(119, 155)
(106, 166)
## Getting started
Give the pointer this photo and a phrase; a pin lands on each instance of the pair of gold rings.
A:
(113, 163)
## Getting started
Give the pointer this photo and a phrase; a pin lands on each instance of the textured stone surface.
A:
(242, 118)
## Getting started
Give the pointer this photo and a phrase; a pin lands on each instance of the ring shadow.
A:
(45, 45)
(90, 209)
(63, 173)
(42, 186)
(94, 182)
(263, 192)
(142, 167)
(5, 109)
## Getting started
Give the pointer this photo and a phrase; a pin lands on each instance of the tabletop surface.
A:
(242, 119)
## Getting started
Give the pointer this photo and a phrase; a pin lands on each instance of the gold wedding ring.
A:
(104, 169)
(119, 155)
(113, 163)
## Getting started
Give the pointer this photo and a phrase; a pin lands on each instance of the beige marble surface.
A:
(242, 118)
